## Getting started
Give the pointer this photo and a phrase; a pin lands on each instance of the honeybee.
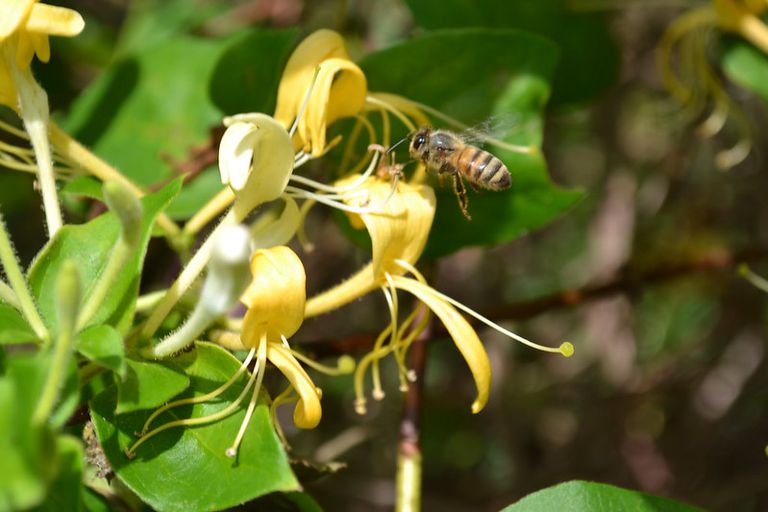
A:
(447, 153)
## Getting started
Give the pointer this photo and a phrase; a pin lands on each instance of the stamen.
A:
(202, 398)
(350, 148)
(758, 281)
(301, 232)
(287, 396)
(261, 362)
(363, 365)
(728, 158)
(305, 102)
(380, 103)
(378, 392)
(130, 452)
(340, 189)
(321, 198)
(385, 127)
(344, 366)
(566, 348)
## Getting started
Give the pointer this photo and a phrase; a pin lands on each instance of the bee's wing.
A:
(497, 126)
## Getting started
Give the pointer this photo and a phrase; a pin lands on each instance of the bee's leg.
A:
(461, 195)
(474, 187)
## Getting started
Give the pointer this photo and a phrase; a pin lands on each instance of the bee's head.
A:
(420, 142)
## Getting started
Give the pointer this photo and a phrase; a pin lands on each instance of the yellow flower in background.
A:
(24, 29)
(689, 76)
(320, 80)
(398, 234)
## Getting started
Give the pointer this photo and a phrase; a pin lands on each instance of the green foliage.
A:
(148, 384)
(746, 65)
(185, 468)
(583, 496)
(510, 71)
(90, 246)
(15, 328)
(589, 57)
(103, 345)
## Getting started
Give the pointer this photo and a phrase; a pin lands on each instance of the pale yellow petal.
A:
(55, 21)
(275, 297)
(308, 411)
(262, 141)
(300, 68)
(12, 14)
(463, 335)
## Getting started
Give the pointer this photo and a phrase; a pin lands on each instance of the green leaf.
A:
(103, 345)
(746, 65)
(590, 58)
(511, 71)
(531, 202)
(13, 328)
(29, 459)
(151, 107)
(90, 246)
(65, 492)
(85, 186)
(460, 71)
(577, 495)
(169, 468)
(148, 384)
(247, 74)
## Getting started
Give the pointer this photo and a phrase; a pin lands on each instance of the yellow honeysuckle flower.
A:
(695, 84)
(320, 79)
(399, 233)
(276, 300)
(24, 29)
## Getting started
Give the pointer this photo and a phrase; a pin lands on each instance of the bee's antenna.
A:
(393, 146)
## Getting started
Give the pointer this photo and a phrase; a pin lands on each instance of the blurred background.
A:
(668, 390)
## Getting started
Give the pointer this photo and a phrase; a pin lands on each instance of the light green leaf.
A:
(13, 328)
(580, 496)
(148, 384)
(746, 65)
(85, 186)
(65, 492)
(90, 246)
(185, 468)
(103, 345)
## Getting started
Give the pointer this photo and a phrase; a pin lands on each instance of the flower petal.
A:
(255, 159)
(308, 411)
(275, 297)
(339, 89)
(55, 21)
(463, 335)
(12, 14)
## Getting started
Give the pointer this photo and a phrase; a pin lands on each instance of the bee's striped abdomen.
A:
(482, 168)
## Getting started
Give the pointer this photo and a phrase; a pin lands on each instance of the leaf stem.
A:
(19, 284)
(8, 296)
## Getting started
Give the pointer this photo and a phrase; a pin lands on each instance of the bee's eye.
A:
(419, 141)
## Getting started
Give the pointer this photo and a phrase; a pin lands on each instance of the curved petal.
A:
(463, 335)
(308, 411)
(13, 14)
(270, 230)
(338, 91)
(275, 297)
(255, 159)
(55, 21)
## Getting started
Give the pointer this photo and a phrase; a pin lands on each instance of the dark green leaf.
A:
(103, 345)
(65, 492)
(462, 71)
(531, 202)
(148, 384)
(589, 62)
(578, 496)
(185, 468)
(286, 502)
(247, 74)
(90, 246)
(13, 327)
(746, 65)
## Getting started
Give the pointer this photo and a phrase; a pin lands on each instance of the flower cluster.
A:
(694, 83)
(258, 157)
